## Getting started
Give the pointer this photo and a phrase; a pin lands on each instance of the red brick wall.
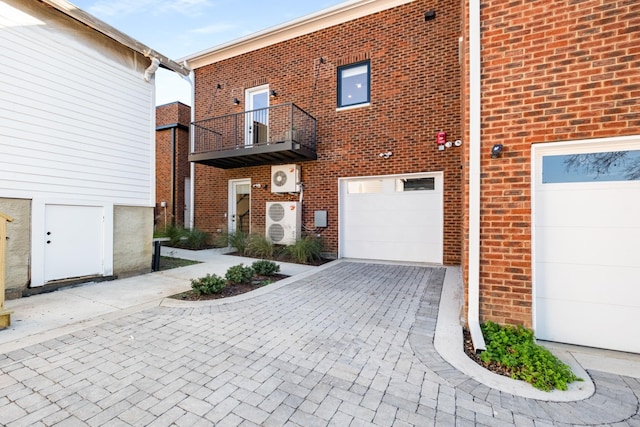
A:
(170, 114)
(551, 71)
(415, 92)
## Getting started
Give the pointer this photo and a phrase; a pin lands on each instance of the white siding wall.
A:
(75, 122)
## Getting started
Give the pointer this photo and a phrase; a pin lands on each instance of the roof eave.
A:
(91, 21)
(325, 18)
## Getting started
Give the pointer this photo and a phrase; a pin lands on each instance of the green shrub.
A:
(305, 250)
(265, 267)
(239, 274)
(210, 284)
(514, 348)
(196, 239)
(259, 246)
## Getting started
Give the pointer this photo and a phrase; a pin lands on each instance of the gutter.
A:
(107, 30)
(473, 314)
(192, 144)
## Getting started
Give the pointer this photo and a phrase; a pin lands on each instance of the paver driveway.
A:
(335, 348)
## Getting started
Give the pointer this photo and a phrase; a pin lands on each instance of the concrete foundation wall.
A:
(132, 240)
(18, 245)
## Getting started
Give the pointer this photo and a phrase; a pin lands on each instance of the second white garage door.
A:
(587, 240)
(398, 218)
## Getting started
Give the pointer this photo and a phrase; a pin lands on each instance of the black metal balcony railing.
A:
(277, 134)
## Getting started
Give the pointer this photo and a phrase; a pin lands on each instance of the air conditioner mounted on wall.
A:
(285, 179)
(283, 222)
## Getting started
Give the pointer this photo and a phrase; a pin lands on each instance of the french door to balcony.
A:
(257, 117)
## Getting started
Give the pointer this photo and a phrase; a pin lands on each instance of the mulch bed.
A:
(492, 366)
(231, 290)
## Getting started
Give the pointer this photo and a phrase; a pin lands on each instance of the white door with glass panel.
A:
(239, 205)
(586, 243)
(257, 116)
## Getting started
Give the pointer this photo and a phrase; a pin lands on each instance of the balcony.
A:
(279, 134)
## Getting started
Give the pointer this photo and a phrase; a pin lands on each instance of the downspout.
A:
(192, 167)
(473, 315)
(173, 176)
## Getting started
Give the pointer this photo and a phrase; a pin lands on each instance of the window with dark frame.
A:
(353, 84)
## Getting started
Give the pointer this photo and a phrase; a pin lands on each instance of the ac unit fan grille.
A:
(279, 178)
(276, 212)
(276, 233)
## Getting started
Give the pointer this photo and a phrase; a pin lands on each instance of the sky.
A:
(177, 28)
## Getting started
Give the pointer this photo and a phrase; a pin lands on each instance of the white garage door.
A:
(587, 244)
(395, 218)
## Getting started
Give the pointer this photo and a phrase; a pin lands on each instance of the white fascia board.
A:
(94, 23)
(325, 18)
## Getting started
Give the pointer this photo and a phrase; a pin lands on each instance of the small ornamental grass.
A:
(259, 246)
(514, 348)
(236, 239)
(305, 250)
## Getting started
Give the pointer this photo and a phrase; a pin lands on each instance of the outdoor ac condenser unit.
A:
(285, 179)
(283, 222)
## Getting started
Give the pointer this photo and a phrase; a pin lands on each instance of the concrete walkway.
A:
(347, 343)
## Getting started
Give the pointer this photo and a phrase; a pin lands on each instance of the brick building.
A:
(557, 88)
(172, 165)
(535, 193)
(369, 153)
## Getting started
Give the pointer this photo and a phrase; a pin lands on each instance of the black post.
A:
(155, 264)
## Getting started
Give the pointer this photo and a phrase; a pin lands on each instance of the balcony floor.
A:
(255, 155)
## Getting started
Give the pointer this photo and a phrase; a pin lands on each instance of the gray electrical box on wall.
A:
(320, 218)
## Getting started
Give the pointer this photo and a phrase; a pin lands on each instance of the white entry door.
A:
(187, 203)
(239, 205)
(257, 117)
(396, 218)
(74, 242)
(587, 244)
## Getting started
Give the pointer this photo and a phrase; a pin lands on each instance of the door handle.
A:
(48, 233)
(48, 242)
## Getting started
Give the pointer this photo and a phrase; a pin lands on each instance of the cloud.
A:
(214, 28)
(150, 7)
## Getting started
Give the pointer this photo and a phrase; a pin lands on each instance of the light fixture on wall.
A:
(385, 155)
(272, 93)
(236, 101)
(430, 15)
(496, 150)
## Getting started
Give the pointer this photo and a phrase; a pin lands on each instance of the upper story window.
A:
(353, 84)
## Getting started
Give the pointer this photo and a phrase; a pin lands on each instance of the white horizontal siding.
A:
(74, 122)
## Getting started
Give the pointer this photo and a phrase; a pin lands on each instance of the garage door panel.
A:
(393, 251)
(605, 245)
(602, 284)
(586, 240)
(391, 224)
(403, 233)
(575, 206)
(600, 325)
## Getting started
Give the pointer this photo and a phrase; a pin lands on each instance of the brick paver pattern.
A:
(348, 346)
